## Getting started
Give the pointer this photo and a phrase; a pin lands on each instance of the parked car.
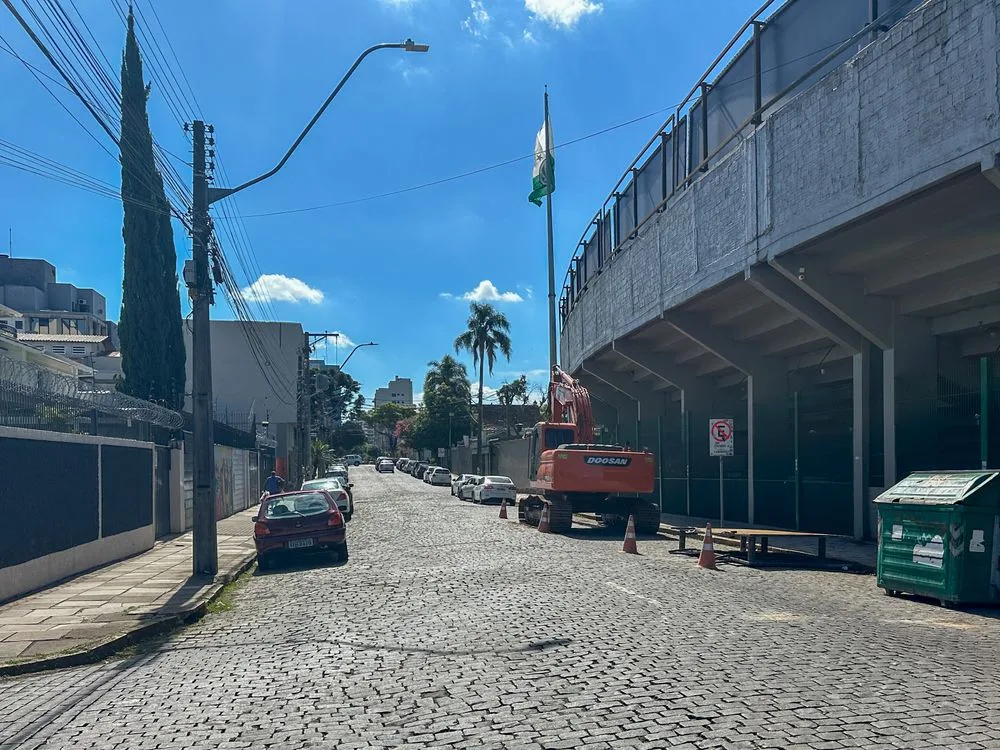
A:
(426, 476)
(465, 489)
(494, 489)
(339, 490)
(337, 470)
(418, 469)
(298, 522)
(457, 481)
(352, 459)
(385, 465)
(439, 477)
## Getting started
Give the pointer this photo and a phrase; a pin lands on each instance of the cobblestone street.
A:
(451, 628)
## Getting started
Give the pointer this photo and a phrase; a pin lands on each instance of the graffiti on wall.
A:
(224, 481)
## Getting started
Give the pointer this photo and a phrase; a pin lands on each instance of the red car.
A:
(298, 522)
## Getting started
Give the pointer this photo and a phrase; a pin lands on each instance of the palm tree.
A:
(488, 331)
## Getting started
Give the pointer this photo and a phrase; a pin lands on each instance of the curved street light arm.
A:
(216, 194)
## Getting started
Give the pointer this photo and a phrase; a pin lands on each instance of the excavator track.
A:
(529, 511)
(645, 513)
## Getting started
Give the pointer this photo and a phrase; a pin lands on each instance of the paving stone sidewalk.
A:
(89, 613)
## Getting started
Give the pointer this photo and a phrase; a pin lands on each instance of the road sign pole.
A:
(722, 503)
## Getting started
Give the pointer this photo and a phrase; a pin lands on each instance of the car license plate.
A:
(299, 543)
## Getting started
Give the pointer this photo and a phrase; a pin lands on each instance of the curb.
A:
(103, 649)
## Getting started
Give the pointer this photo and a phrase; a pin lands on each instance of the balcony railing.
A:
(776, 54)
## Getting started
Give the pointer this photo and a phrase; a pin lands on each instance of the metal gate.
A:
(161, 492)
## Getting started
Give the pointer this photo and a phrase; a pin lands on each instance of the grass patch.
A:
(224, 602)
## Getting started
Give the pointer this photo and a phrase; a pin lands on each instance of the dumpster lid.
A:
(937, 487)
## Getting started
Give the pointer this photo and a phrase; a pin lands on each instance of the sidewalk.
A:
(837, 548)
(87, 617)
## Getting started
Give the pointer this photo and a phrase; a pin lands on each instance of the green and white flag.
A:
(543, 175)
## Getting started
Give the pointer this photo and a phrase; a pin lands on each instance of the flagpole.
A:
(553, 355)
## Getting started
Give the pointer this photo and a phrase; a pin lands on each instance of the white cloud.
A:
(485, 291)
(528, 38)
(564, 13)
(489, 394)
(409, 71)
(342, 340)
(529, 292)
(478, 22)
(277, 287)
(418, 398)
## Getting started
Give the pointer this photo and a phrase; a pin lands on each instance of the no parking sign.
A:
(720, 437)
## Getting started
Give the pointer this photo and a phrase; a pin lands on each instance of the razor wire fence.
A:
(37, 398)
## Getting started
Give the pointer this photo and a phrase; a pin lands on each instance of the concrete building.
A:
(399, 391)
(29, 286)
(811, 249)
(13, 348)
(54, 317)
(258, 379)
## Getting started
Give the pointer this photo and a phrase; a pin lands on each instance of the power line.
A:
(525, 157)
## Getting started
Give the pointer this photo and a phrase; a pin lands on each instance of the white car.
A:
(338, 491)
(352, 459)
(465, 490)
(439, 477)
(458, 481)
(494, 490)
(385, 465)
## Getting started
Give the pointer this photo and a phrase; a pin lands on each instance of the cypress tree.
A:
(152, 341)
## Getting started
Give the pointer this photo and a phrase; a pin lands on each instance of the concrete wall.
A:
(238, 382)
(48, 492)
(509, 458)
(234, 484)
(915, 106)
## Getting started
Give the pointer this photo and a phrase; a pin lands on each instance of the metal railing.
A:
(778, 53)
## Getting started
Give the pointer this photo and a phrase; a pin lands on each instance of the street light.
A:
(342, 364)
(205, 547)
(215, 194)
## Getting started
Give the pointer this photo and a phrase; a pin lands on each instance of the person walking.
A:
(273, 484)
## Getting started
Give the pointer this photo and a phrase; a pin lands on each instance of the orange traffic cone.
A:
(503, 509)
(543, 523)
(629, 545)
(707, 557)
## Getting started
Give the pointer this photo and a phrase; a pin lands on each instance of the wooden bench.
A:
(749, 539)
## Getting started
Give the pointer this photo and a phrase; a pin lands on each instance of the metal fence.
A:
(36, 398)
(776, 54)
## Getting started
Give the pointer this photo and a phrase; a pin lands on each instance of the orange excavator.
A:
(571, 474)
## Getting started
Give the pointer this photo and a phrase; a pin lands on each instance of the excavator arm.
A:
(570, 402)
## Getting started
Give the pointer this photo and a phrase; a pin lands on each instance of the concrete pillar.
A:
(697, 408)
(909, 395)
(861, 369)
(770, 449)
(177, 490)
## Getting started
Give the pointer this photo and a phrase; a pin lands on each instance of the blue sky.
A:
(397, 270)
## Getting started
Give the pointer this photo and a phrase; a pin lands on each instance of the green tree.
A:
(152, 339)
(347, 437)
(447, 393)
(319, 453)
(487, 333)
(335, 398)
(508, 393)
(384, 418)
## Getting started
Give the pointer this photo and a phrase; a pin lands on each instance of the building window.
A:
(19, 325)
(40, 325)
(79, 351)
(58, 348)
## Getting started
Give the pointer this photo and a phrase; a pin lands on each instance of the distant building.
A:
(52, 316)
(399, 391)
(13, 348)
(259, 382)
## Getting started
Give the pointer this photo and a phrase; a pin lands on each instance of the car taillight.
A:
(260, 529)
(335, 519)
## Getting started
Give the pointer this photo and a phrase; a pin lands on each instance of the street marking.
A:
(634, 594)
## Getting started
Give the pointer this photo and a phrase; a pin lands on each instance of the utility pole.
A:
(305, 409)
(206, 556)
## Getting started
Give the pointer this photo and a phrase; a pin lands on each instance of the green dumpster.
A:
(939, 536)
